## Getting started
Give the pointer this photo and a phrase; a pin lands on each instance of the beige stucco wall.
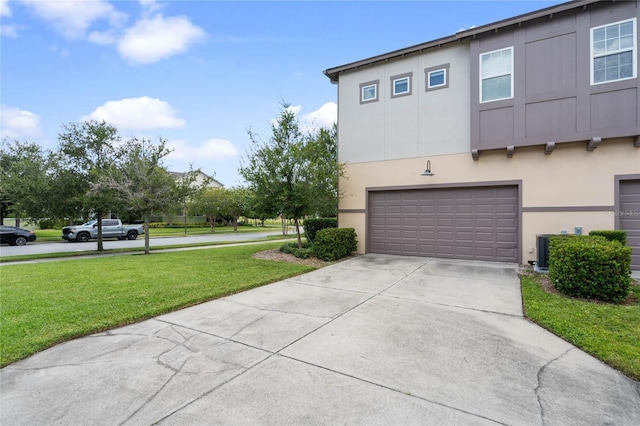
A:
(570, 177)
(434, 122)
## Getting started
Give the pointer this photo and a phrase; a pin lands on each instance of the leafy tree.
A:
(289, 174)
(327, 171)
(213, 202)
(24, 180)
(90, 150)
(187, 186)
(68, 188)
(237, 204)
(141, 181)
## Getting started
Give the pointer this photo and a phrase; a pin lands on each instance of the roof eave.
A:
(334, 73)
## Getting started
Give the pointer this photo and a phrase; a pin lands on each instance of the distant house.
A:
(200, 178)
(471, 145)
(178, 214)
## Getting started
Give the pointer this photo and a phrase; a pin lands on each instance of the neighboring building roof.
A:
(214, 182)
(334, 73)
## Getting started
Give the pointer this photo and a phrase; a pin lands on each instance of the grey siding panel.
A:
(493, 136)
(551, 64)
(463, 223)
(610, 110)
(629, 202)
(558, 116)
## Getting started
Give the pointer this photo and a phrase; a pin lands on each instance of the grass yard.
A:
(47, 303)
(609, 332)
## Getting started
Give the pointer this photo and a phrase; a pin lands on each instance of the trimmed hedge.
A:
(312, 226)
(620, 236)
(334, 243)
(590, 267)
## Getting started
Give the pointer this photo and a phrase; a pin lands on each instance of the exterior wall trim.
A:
(568, 209)
(516, 183)
(619, 179)
(352, 210)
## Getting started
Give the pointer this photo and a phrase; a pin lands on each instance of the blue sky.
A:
(200, 73)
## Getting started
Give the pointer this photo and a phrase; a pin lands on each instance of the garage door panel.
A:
(466, 223)
(629, 202)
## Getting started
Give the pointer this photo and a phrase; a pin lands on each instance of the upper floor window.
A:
(401, 85)
(496, 75)
(437, 77)
(369, 91)
(613, 52)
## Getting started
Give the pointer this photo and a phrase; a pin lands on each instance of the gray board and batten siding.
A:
(470, 222)
(553, 98)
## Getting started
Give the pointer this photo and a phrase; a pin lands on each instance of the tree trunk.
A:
(100, 244)
(146, 233)
(235, 223)
(18, 220)
(295, 221)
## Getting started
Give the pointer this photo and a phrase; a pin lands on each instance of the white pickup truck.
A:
(111, 228)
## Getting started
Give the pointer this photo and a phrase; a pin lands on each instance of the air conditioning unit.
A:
(542, 249)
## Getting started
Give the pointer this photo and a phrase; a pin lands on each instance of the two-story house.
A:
(471, 145)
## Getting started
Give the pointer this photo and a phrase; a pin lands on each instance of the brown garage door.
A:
(464, 223)
(630, 218)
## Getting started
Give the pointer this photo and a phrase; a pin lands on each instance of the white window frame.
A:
(444, 68)
(480, 77)
(404, 92)
(367, 85)
(633, 49)
(430, 73)
(398, 78)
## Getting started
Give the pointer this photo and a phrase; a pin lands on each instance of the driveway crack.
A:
(539, 385)
(278, 311)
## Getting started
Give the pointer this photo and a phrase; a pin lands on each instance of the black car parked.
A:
(15, 236)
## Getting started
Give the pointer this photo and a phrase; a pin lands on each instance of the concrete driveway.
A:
(373, 340)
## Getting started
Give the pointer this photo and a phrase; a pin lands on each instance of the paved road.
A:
(373, 340)
(64, 246)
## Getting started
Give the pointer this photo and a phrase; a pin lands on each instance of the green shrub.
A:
(52, 223)
(312, 226)
(334, 243)
(620, 236)
(301, 253)
(590, 267)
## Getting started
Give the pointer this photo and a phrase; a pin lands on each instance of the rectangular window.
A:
(401, 85)
(369, 91)
(436, 77)
(613, 52)
(496, 75)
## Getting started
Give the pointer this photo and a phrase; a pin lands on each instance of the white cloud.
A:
(325, 116)
(213, 149)
(151, 40)
(102, 37)
(17, 123)
(4, 8)
(72, 18)
(8, 31)
(150, 7)
(142, 113)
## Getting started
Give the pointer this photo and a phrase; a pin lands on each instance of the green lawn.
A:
(609, 332)
(47, 303)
